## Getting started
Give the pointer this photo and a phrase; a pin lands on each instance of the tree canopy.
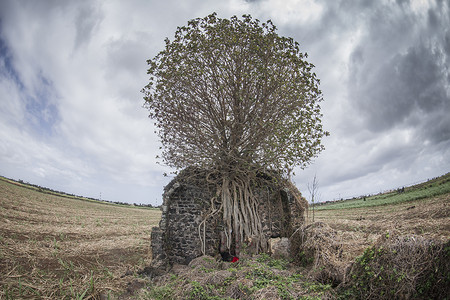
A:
(231, 92)
(234, 97)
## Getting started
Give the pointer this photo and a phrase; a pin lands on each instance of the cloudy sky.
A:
(71, 115)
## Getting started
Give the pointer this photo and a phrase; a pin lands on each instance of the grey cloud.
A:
(420, 73)
(402, 85)
(382, 65)
(129, 53)
(354, 173)
(447, 43)
(87, 20)
(391, 119)
(437, 128)
(433, 19)
(409, 86)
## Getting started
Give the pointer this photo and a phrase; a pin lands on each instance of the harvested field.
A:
(361, 227)
(334, 257)
(55, 247)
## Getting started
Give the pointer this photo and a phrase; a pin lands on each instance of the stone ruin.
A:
(187, 199)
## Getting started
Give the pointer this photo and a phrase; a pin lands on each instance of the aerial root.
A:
(239, 209)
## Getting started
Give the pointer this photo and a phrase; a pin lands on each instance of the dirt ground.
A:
(54, 247)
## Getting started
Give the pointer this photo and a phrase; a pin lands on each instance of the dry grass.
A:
(360, 228)
(319, 246)
(324, 253)
(253, 277)
(401, 267)
(62, 248)
(53, 247)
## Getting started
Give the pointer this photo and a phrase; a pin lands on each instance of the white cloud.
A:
(71, 75)
(292, 12)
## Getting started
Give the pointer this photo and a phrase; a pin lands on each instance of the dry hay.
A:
(205, 261)
(319, 246)
(267, 293)
(202, 277)
(401, 267)
(240, 289)
(219, 277)
(60, 248)
(257, 277)
(427, 217)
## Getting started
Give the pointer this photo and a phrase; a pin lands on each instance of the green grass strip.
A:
(432, 190)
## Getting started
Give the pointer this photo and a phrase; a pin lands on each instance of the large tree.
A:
(234, 97)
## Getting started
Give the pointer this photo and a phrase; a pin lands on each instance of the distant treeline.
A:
(46, 190)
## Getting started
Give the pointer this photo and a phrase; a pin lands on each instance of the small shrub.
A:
(271, 262)
(161, 292)
(316, 287)
(264, 278)
(200, 292)
(405, 267)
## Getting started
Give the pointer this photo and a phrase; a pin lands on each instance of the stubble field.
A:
(361, 227)
(55, 247)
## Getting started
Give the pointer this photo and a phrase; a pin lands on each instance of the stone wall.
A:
(186, 201)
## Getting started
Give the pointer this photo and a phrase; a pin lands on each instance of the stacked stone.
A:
(186, 202)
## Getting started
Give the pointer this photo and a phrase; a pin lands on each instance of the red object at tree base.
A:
(235, 259)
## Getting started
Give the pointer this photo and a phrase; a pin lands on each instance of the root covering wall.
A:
(187, 201)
